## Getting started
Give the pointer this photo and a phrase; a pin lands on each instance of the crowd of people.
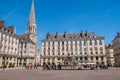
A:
(52, 67)
(31, 66)
(93, 67)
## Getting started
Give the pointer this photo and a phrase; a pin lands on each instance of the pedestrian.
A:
(30, 65)
(34, 66)
(27, 66)
(96, 67)
(3, 66)
(44, 66)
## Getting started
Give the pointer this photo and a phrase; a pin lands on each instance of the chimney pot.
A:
(1, 23)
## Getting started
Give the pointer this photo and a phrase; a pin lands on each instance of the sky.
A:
(99, 16)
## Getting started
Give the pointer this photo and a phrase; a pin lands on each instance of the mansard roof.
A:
(25, 39)
(109, 46)
(7, 30)
(69, 36)
(24, 36)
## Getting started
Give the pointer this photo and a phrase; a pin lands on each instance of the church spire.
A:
(31, 26)
(32, 14)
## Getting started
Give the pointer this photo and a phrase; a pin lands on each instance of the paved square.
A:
(39, 74)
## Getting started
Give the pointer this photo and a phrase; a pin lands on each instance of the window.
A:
(71, 47)
(62, 47)
(49, 53)
(96, 52)
(76, 58)
(63, 42)
(43, 59)
(58, 42)
(49, 42)
(101, 49)
(84, 42)
(80, 52)
(58, 59)
(86, 58)
(53, 59)
(96, 58)
(91, 49)
(71, 53)
(66, 47)
(53, 53)
(53, 44)
(85, 49)
(95, 42)
(53, 48)
(80, 42)
(48, 59)
(100, 43)
(91, 58)
(81, 58)
(102, 58)
(76, 42)
(96, 49)
(0, 27)
(80, 47)
(58, 53)
(90, 42)
(91, 52)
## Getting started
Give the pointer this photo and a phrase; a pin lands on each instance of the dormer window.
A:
(0, 27)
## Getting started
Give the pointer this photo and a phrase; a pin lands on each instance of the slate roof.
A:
(71, 36)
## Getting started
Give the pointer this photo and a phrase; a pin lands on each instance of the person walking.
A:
(3, 66)
(44, 66)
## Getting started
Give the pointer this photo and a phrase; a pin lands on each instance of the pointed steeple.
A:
(32, 14)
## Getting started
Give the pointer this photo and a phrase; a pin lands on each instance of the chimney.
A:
(47, 35)
(86, 34)
(81, 34)
(1, 23)
(56, 36)
(64, 34)
(11, 28)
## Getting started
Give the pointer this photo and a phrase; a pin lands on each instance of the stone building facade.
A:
(110, 55)
(19, 50)
(84, 47)
(116, 47)
(8, 45)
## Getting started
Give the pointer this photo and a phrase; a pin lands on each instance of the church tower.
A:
(31, 26)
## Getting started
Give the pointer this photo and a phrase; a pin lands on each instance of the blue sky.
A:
(99, 16)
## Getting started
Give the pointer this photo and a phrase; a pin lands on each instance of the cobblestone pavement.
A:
(39, 74)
